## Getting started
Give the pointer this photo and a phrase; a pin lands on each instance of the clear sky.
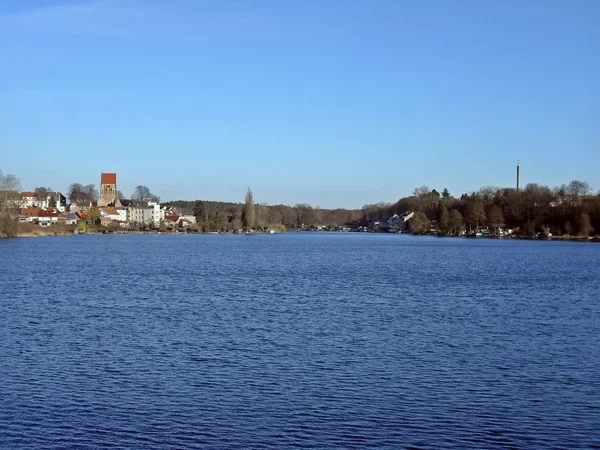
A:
(334, 103)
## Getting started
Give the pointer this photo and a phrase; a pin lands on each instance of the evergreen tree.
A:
(201, 213)
(248, 212)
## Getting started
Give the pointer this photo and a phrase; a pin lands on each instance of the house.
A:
(188, 218)
(29, 214)
(28, 200)
(185, 221)
(57, 201)
(166, 211)
(119, 214)
(394, 221)
(106, 222)
(54, 200)
(172, 220)
(84, 217)
(80, 206)
(400, 221)
(70, 218)
(47, 218)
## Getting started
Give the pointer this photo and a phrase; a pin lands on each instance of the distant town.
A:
(535, 211)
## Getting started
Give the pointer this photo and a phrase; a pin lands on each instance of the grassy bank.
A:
(31, 230)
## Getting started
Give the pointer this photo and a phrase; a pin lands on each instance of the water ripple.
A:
(298, 341)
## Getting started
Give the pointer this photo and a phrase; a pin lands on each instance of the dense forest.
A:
(566, 210)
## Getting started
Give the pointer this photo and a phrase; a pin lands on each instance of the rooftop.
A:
(108, 178)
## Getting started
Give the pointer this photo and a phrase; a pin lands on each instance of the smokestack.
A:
(518, 176)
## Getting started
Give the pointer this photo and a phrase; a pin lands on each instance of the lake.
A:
(312, 340)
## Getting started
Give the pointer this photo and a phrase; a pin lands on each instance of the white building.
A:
(156, 212)
(190, 219)
(57, 201)
(140, 214)
(119, 214)
(54, 200)
(29, 200)
(165, 211)
(398, 221)
(46, 218)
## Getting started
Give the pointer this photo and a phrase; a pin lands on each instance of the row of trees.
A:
(565, 210)
(226, 216)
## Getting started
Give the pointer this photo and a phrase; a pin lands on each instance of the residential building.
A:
(28, 200)
(156, 216)
(54, 200)
(47, 218)
(57, 201)
(172, 220)
(71, 218)
(119, 214)
(140, 214)
(166, 211)
(29, 214)
(80, 206)
(400, 221)
(190, 219)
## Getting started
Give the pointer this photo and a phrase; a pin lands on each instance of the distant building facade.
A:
(155, 212)
(140, 214)
(54, 200)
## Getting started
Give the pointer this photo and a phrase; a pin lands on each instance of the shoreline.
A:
(44, 233)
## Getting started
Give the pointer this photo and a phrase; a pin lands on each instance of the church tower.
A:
(108, 190)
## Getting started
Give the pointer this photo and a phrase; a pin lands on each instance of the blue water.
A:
(298, 340)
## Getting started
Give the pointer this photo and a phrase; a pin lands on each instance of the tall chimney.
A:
(518, 176)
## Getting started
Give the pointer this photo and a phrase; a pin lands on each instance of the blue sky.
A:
(334, 103)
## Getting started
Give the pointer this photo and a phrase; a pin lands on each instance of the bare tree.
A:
(74, 192)
(41, 194)
(577, 188)
(475, 214)
(585, 227)
(90, 192)
(142, 194)
(495, 216)
(420, 191)
(456, 221)
(9, 197)
(79, 193)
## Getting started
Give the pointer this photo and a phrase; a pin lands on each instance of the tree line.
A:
(228, 216)
(570, 209)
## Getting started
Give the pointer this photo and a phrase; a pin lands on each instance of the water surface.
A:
(298, 340)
